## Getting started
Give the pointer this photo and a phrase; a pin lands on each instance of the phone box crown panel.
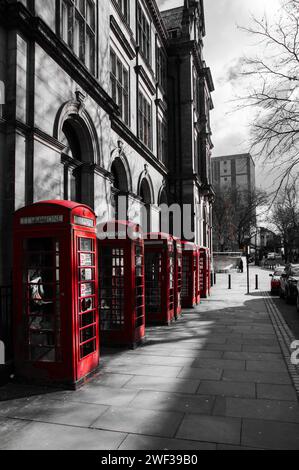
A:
(121, 283)
(56, 285)
(189, 246)
(59, 213)
(119, 229)
(159, 238)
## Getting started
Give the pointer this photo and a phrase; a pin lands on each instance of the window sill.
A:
(147, 63)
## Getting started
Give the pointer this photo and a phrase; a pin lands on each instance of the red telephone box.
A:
(121, 284)
(205, 275)
(178, 278)
(190, 275)
(159, 278)
(198, 276)
(56, 329)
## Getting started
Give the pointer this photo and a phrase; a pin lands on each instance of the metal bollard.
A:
(229, 281)
(256, 282)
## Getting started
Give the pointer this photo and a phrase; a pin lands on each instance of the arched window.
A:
(78, 159)
(146, 198)
(120, 190)
(163, 200)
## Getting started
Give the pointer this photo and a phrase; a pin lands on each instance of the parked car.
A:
(288, 283)
(275, 281)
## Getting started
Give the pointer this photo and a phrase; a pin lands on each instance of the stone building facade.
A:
(102, 99)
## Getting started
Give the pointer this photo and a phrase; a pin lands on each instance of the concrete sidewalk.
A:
(214, 380)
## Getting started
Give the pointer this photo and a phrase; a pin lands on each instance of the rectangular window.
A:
(161, 71)
(143, 34)
(197, 155)
(119, 79)
(196, 92)
(162, 141)
(77, 29)
(144, 120)
(123, 6)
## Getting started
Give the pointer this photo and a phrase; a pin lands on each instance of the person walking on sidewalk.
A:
(241, 266)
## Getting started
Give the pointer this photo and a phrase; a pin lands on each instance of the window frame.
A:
(70, 14)
(144, 42)
(123, 8)
(161, 67)
(162, 140)
(145, 115)
(120, 86)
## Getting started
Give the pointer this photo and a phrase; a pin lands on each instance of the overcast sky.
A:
(225, 45)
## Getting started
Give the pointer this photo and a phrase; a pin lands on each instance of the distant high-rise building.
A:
(235, 172)
(233, 178)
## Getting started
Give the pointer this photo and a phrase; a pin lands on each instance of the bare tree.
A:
(222, 214)
(235, 217)
(274, 89)
(285, 217)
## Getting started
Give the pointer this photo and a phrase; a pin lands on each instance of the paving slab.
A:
(257, 377)
(140, 421)
(270, 435)
(271, 366)
(97, 394)
(145, 370)
(231, 347)
(227, 389)
(283, 411)
(252, 356)
(231, 447)
(276, 392)
(210, 429)
(219, 364)
(112, 380)
(9, 407)
(58, 412)
(135, 442)
(149, 359)
(10, 429)
(173, 402)
(22, 435)
(163, 384)
(200, 373)
(181, 352)
(260, 348)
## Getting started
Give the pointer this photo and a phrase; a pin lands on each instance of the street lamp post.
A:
(247, 263)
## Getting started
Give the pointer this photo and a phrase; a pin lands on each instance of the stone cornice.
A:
(116, 29)
(123, 18)
(37, 134)
(161, 104)
(159, 23)
(142, 73)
